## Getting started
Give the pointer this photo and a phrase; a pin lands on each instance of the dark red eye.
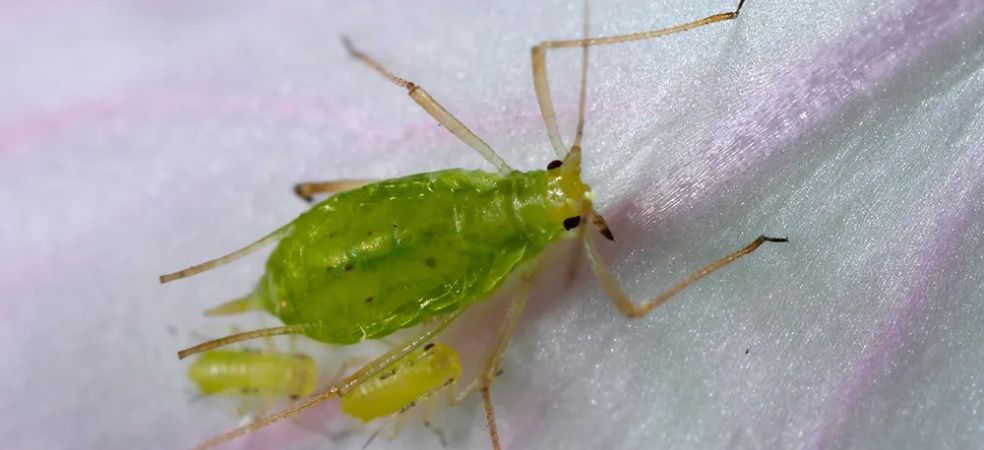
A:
(554, 164)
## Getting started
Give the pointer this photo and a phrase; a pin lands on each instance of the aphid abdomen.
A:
(404, 383)
(367, 262)
(232, 372)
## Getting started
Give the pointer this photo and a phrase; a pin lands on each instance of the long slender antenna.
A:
(579, 130)
(223, 260)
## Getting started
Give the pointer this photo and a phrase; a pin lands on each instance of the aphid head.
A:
(565, 188)
(571, 195)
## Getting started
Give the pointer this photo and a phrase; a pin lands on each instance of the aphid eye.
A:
(554, 164)
(571, 223)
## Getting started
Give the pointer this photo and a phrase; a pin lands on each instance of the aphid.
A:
(267, 376)
(386, 255)
(401, 385)
(259, 378)
(254, 373)
(404, 385)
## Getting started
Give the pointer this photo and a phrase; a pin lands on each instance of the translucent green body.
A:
(244, 372)
(400, 385)
(367, 262)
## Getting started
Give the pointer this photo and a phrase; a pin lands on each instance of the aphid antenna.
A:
(600, 225)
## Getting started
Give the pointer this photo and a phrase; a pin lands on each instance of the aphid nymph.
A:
(403, 384)
(260, 373)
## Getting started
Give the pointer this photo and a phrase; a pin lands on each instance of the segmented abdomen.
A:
(404, 383)
(251, 372)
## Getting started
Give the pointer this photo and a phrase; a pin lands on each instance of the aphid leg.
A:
(628, 307)
(223, 260)
(342, 387)
(307, 190)
(438, 112)
(334, 379)
(494, 358)
(428, 414)
(372, 438)
(398, 422)
(455, 399)
(242, 410)
(541, 84)
(252, 406)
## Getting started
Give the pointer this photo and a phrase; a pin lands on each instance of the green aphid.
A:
(246, 373)
(401, 385)
(367, 262)
(381, 256)
(270, 375)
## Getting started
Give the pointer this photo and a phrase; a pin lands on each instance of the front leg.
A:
(630, 308)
